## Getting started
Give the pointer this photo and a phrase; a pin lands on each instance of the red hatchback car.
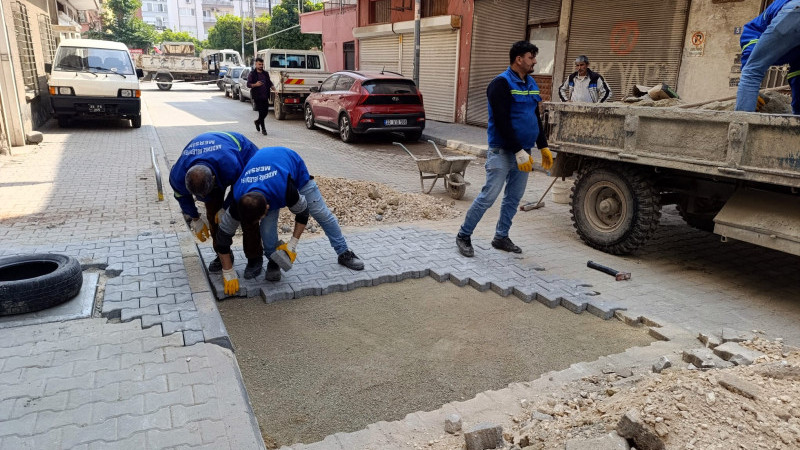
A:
(353, 103)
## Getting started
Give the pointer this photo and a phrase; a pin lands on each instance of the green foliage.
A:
(121, 25)
(285, 16)
(227, 33)
(182, 36)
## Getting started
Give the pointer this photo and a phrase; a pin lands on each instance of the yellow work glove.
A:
(547, 158)
(285, 248)
(231, 280)
(760, 103)
(524, 161)
(199, 227)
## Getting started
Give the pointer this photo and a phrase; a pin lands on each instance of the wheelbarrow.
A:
(449, 168)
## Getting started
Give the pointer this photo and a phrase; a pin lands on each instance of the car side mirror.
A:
(314, 89)
(140, 73)
(48, 67)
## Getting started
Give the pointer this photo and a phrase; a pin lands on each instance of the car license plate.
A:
(390, 122)
(96, 108)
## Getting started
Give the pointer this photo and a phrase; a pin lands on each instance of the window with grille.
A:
(22, 29)
(47, 37)
(379, 11)
(430, 8)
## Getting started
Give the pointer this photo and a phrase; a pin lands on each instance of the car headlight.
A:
(126, 93)
(61, 90)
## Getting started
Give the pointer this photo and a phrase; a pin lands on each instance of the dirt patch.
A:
(360, 203)
(320, 365)
(686, 409)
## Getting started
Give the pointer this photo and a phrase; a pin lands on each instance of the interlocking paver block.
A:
(192, 337)
(103, 431)
(128, 314)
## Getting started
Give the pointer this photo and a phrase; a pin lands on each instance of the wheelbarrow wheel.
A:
(456, 185)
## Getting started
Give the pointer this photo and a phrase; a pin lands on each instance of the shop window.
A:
(22, 29)
(430, 8)
(379, 11)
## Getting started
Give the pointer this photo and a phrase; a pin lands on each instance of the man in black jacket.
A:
(584, 85)
(260, 85)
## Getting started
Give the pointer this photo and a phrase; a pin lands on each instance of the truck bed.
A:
(761, 148)
(297, 80)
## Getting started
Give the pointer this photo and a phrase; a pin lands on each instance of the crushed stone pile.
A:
(362, 203)
(737, 407)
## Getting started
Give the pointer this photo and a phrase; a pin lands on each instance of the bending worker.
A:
(276, 177)
(210, 164)
(772, 38)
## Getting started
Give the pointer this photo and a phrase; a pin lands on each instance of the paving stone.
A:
(525, 293)
(611, 441)
(166, 309)
(735, 353)
(502, 288)
(151, 320)
(452, 424)
(193, 337)
(710, 340)
(704, 358)
(602, 308)
(662, 363)
(575, 304)
(739, 386)
(168, 327)
(128, 314)
(632, 427)
(481, 284)
(732, 335)
(157, 301)
(483, 436)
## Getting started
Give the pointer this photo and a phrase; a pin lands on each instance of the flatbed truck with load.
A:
(293, 73)
(177, 63)
(735, 174)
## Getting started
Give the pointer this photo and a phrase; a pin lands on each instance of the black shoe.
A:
(273, 271)
(505, 244)
(464, 244)
(215, 266)
(253, 268)
(258, 126)
(263, 130)
(351, 261)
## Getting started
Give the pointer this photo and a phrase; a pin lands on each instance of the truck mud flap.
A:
(763, 218)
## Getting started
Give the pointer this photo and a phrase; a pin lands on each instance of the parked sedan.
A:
(352, 103)
(230, 82)
(241, 87)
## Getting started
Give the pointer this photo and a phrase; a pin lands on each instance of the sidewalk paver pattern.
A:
(145, 375)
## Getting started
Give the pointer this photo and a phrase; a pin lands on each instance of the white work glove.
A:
(199, 227)
(231, 281)
(524, 161)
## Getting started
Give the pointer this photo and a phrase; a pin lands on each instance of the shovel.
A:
(540, 204)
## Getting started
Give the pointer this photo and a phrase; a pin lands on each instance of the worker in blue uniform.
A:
(206, 168)
(772, 38)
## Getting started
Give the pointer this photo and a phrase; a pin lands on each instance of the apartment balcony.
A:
(207, 19)
(219, 3)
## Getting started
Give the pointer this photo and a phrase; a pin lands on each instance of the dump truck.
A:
(294, 73)
(735, 174)
(177, 63)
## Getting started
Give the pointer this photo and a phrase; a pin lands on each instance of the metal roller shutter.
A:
(379, 53)
(496, 25)
(544, 11)
(438, 57)
(635, 42)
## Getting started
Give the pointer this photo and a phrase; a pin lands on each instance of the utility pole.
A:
(417, 14)
(253, 15)
(241, 16)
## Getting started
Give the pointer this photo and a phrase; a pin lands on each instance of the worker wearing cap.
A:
(208, 165)
(274, 178)
(584, 85)
(772, 38)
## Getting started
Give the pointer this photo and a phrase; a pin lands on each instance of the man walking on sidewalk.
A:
(210, 164)
(514, 125)
(260, 85)
(276, 177)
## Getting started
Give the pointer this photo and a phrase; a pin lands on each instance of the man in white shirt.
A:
(584, 85)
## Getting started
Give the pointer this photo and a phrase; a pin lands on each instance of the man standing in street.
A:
(584, 85)
(210, 164)
(276, 177)
(771, 39)
(260, 85)
(514, 124)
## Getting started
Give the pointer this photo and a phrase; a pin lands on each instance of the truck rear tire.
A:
(136, 122)
(615, 208)
(277, 108)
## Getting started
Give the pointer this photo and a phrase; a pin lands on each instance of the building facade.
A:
(335, 22)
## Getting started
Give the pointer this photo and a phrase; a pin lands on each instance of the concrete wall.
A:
(710, 71)
(336, 29)
(31, 110)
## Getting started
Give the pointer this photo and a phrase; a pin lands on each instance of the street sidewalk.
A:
(457, 136)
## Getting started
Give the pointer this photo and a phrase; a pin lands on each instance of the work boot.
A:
(263, 130)
(258, 126)
(464, 244)
(253, 268)
(273, 271)
(351, 261)
(215, 266)
(505, 244)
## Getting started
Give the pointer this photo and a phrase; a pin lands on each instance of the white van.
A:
(92, 78)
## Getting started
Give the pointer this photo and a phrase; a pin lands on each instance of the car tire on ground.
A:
(30, 283)
(136, 122)
(615, 208)
(242, 98)
(346, 129)
(63, 122)
(277, 108)
(309, 116)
